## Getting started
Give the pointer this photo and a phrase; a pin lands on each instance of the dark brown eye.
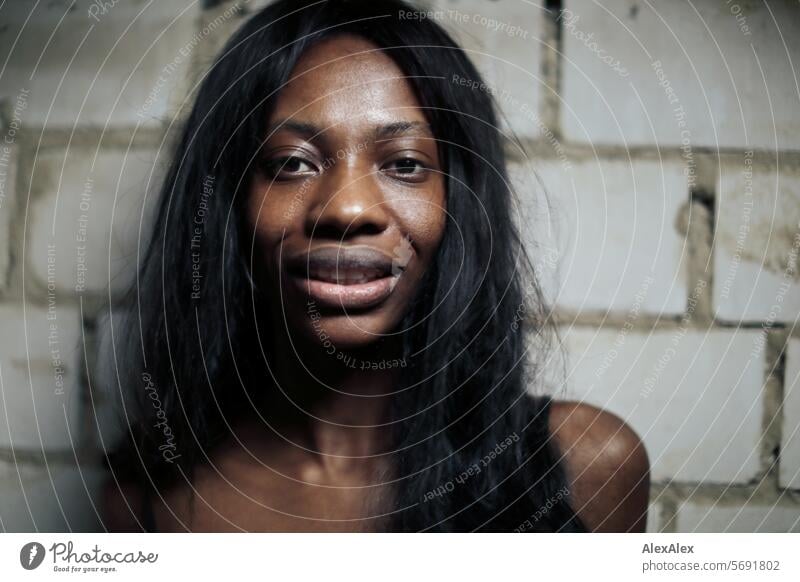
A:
(287, 167)
(406, 168)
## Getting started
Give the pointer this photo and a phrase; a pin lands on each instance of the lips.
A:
(356, 277)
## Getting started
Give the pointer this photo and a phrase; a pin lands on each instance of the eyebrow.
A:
(381, 132)
(401, 128)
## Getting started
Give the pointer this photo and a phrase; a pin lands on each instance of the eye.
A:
(285, 168)
(406, 168)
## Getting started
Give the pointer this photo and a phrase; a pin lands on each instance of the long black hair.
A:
(471, 450)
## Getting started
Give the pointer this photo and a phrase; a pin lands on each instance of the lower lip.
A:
(358, 296)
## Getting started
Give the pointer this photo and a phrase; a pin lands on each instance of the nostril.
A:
(326, 231)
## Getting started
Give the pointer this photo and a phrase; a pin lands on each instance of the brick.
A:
(89, 220)
(503, 39)
(694, 399)
(654, 522)
(710, 518)
(608, 228)
(216, 24)
(714, 73)
(40, 359)
(120, 66)
(55, 498)
(8, 173)
(789, 472)
(757, 242)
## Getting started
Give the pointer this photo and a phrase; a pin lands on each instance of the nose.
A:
(348, 203)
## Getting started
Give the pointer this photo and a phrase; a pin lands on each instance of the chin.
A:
(337, 333)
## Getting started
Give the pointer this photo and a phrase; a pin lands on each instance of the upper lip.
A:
(340, 263)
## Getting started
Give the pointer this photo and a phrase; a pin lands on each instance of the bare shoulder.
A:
(606, 464)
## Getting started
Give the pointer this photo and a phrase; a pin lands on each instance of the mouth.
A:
(345, 277)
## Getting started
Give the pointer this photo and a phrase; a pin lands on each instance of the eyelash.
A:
(414, 177)
(274, 169)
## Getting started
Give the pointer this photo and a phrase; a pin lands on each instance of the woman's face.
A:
(348, 200)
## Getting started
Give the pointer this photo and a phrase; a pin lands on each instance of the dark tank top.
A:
(551, 492)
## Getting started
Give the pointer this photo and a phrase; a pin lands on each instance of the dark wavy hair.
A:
(464, 391)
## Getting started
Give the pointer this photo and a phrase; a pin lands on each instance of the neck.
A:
(340, 399)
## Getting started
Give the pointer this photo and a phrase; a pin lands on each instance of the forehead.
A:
(347, 78)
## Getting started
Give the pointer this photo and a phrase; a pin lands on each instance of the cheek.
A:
(271, 213)
(423, 220)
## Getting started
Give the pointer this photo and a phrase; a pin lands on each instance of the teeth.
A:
(345, 277)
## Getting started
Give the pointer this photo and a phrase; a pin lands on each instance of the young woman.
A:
(328, 332)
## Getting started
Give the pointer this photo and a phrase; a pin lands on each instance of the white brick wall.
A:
(694, 399)
(654, 522)
(41, 365)
(504, 39)
(736, 89)
(88, 209)
(790, 443)
(53, 498)
(120, 67)
(611, 225)
(757, 242)
(700, 517)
